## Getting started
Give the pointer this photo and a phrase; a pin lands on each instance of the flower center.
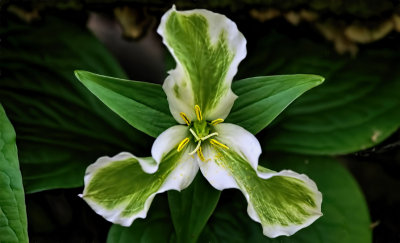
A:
(200, 131)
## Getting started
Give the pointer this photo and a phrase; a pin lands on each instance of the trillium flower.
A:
(207, 48)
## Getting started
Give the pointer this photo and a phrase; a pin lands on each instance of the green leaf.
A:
(344, 208)
(61, 127)
(191, 209)
(356, 108)
(156, 228)
(262, 99)
(13, 223)
(138, 103)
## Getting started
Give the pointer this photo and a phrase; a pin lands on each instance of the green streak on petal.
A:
(205, 63)
(124, 184)
(279, 200)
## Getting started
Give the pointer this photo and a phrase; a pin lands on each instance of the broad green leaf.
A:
(156, 228)
(191, 209)
(344, 208)
(207, 48)
(356, 108)
(262, 99)
(13, 223)
(143, 105)
(61, 127)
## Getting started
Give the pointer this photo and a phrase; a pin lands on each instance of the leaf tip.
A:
(79, 73)
(319, 79)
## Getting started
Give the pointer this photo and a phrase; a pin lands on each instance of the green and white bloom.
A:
(207, 48)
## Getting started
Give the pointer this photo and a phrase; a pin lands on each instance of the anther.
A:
(182, 144)
(209, 136)
(194, 134)
(197, 148)
(185, 118)
(217, 121)
(200, 154)
(216, 143)
(198, 112)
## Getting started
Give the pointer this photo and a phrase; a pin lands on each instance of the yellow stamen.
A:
(198, 112)
(217, 121)
(182, 144)
(216, 143)
(200, 154)
(185, 118)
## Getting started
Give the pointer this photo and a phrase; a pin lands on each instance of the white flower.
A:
(207, 48)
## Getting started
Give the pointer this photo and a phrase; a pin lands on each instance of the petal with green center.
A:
(239, 140)
(283, 202)
(168, 140)
(207, 48)
(119, 190)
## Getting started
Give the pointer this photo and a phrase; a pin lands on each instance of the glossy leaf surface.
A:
(13, 222)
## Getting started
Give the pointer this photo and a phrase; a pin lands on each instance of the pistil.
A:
(209, 136)
(196, 149)
(194, 134)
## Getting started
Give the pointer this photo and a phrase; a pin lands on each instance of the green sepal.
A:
(191, 209)
(262, 99)
(142, 105)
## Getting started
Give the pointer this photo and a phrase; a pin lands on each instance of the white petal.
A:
(207, 48)
(241, 141)
(283, 202)
(218, 176)
(237, 139)
(117, 189)
(278, 230)
(167, 140)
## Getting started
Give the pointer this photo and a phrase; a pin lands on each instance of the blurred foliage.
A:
(61, 127)
(356, 108)
(363, 8)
